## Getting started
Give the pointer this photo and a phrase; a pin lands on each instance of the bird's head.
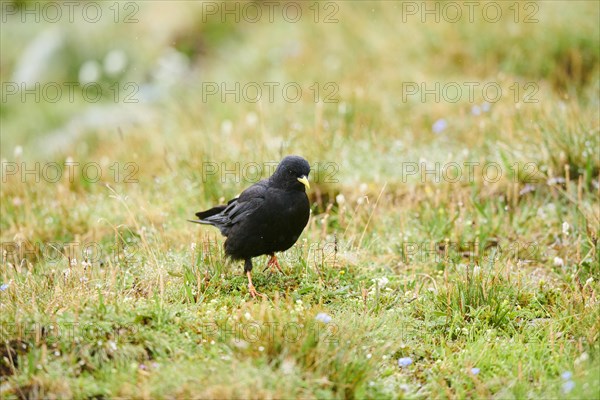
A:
(292, 174)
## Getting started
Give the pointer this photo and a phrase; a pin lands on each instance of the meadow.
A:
(452, 248)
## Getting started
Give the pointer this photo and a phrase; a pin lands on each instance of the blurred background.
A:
(160, 90)
(79, 70)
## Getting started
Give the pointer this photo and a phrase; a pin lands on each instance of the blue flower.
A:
(475, 110)
(485, 106)
(475, 371)
(324, 318)
(3, 287)
(567, 375)
(568, 386)
(439, 125)
(404, 362)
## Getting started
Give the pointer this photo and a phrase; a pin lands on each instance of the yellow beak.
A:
(304, 180)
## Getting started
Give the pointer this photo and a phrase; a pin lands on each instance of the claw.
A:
(251, 288)
(274, 265)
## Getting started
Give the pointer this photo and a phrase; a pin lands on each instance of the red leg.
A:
(251, 287)
(273, 264)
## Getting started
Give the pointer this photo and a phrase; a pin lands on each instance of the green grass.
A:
(111, 293)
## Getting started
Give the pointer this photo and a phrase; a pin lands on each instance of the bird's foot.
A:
(251, 288)
(274, 265)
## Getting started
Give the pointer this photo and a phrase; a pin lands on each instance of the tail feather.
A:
(209, 213)
(215, 218)
(201, 222)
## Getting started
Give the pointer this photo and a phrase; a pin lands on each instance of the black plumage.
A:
(266, 218)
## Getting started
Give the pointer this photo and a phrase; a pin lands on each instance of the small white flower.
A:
(115, 62)
(565, 228)
(559, 262)
(582, 358)
(340, 199)
(588, 281)
(89, 72)
(404, 362)
(555, 181)
(528, 188)
(323, 317)
(226, 127)
(18, 152)
(287, 366)
(382, 282)
(240, 344)
(251, 119)
(568, 386)
(566, 375)
(439, 126)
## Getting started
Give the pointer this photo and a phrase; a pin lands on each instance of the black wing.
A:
(225, 216)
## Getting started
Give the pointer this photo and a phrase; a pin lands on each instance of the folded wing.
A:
(226, 216)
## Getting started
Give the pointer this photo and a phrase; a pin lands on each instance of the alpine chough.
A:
(267, 217)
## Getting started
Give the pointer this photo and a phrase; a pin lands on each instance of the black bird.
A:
(267, 217)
